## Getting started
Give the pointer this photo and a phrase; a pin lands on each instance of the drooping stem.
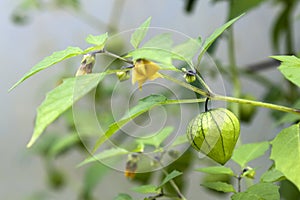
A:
(206, 104)
(239, 178)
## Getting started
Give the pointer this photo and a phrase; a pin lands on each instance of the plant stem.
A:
(103, 51)
(256, 103)
(233, 69)
(239, 178)
(188, 86)
(232, 99)
(181, 101)
(180, 195)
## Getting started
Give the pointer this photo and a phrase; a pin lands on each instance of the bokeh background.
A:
(54, 27)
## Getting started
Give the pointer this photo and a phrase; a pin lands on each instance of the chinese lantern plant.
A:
(214, 132)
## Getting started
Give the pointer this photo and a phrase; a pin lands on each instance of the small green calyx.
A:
(214, 133)
(189, 75)
(124, 75)
(248, 172)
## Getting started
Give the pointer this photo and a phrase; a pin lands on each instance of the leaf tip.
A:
(30, 143)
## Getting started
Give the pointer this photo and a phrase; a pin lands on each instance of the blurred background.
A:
(33, 29)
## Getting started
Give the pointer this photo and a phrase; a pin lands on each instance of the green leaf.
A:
(286, 153)
(282, 23)
(208, 42)
(169, 177)
(259, 191)
(159, 55)
(247, 152)
(144, 105)
(238, 7)
(245, 196)
(104, 155)
(157, 49)
(161, 41)
(56, 57)
(63, 143)
(61, 98)
(146, 189)
(156, 139)
(99, 42)
(219, 186)
(140, 33)
(216, 170)
(187, 50)
(123, 196)
(290, 68)
(272, 175)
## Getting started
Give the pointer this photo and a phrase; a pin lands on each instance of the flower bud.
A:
(248, 172)
(87, 65)
(131, 165)
(124, 75)
(190, 75)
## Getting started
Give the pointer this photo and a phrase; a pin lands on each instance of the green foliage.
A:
(282, 26)
(61, 98)
(209, 41)
(272, 175)
(147, 189)
(217, 170)
(63, 144)
(286, 153)
(187, 50)
(113, 152)
(140, 33)
(219, 186)
(144, 105)
(267, 191)
(247, 152)
(238, 7)
(160, 49)
(288, 190)
(123, 196)
(157, 138)
(169, 177)
(99, 42)
(290, 68)
(49, 61)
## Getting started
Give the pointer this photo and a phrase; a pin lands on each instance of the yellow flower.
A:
(144, 70)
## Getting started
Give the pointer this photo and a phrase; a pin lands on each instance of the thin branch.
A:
(267, 64)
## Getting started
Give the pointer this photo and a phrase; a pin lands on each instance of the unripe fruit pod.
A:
(247, 111)
(214, 133)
